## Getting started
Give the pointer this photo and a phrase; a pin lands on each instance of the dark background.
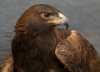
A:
(84, 16)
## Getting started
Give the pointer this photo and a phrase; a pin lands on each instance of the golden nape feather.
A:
(7, 65)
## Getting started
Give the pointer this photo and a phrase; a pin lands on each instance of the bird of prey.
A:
(43, 42)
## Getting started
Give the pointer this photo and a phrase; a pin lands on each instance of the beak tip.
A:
(63, 17)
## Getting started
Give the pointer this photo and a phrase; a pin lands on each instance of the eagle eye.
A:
(47, 15)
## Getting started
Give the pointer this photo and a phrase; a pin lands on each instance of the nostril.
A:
(61, 17)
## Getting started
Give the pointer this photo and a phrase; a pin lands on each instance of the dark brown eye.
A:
(47, 15)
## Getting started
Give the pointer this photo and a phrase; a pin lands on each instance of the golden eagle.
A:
(44, 43)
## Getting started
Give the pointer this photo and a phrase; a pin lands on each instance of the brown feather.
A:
(76, 53)
(7, 65)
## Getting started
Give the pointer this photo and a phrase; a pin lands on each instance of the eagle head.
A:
(41, 17)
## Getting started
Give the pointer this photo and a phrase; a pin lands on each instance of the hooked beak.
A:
(60, 22)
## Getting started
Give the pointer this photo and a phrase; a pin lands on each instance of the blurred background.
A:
(84, 16)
